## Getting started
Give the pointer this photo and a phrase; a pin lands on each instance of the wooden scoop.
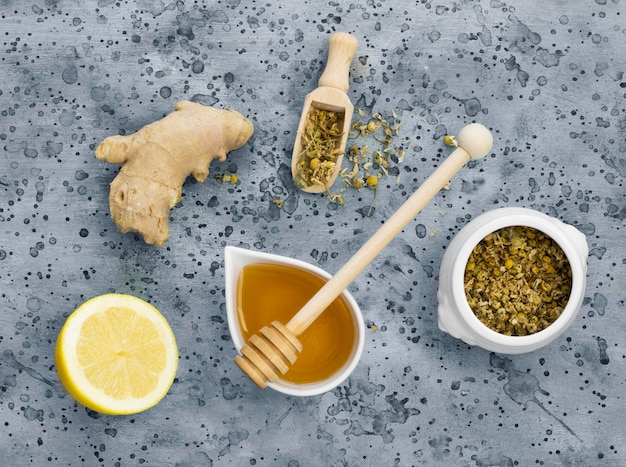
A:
(330, 95)
(275, 347)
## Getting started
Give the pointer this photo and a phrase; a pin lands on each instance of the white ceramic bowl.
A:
(454, 313)
(235, 260)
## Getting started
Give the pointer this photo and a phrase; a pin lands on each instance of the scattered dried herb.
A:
(517, 281)
(320, 139)
(450, 140)
(368, 166)
(227, 178)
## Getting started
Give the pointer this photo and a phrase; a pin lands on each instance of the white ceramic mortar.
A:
(454, 313)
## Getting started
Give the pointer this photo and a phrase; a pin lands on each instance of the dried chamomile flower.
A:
(368, 166)
(450, 141)
(517, 281)
(320, 137)
(336, 198)
(372, 181)
(227, 178)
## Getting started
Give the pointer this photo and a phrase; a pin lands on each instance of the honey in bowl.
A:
(275, 292)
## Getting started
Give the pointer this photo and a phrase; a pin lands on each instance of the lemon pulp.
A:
(116, 354)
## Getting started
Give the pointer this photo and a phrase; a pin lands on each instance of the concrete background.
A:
(546, 76)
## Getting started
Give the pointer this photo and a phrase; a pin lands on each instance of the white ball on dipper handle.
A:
(476, 140)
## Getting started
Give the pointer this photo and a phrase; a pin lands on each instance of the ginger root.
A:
(159, 157)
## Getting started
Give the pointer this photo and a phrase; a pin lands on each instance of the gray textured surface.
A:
(546, 76)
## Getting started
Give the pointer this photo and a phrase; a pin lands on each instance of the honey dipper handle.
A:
(477, 141)
(341, 48)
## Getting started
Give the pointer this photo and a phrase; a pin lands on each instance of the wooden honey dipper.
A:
(270, 352)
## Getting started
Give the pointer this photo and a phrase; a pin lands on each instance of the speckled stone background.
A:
(546, 76)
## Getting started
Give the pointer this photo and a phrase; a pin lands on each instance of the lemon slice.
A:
(116, 354)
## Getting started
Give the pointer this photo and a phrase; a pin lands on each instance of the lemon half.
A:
(116, 354)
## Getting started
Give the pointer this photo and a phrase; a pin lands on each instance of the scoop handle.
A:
(341, 48)
(370, 249)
